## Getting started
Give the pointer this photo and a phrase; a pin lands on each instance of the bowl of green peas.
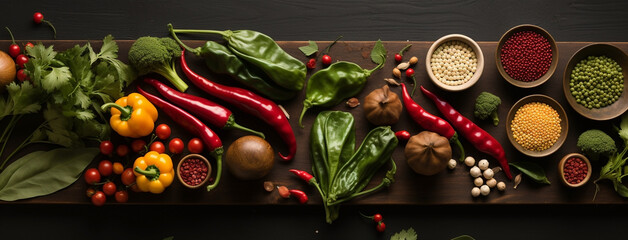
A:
(594, 81)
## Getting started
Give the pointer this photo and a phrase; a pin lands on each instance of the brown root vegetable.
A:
(427, 153)
(249, 157)
(7, 69)
(382, 107)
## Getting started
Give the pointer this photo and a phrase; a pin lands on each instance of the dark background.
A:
(590, 21)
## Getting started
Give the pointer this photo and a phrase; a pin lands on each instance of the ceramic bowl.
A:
(476, 49)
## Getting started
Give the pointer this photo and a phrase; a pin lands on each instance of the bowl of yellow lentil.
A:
(537, 125)
(454, 62)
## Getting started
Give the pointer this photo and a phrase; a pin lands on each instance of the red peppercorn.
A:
(193, 171)
(575, 170)
(526, 56)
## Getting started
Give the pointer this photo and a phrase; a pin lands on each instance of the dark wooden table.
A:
(438, 207)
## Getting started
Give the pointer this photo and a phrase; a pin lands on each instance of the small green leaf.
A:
(623, 128)
(56, 79)
(407, 234)
(309, 49)
(531, 170)
(378, 54)
(621, 189)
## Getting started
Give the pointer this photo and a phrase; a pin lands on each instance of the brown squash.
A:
(427, 153)
(382, 107)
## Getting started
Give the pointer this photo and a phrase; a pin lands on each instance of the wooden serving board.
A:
(445, 188)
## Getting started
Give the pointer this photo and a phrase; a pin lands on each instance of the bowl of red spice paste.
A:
(193, 171)
(526, 56)
(574, 170)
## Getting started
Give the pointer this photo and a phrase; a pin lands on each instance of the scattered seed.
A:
(284, 111)
(353, 102)
(396, 72)
(269, 186)
(392, 81)
(517, 180)
(403, 66)
(496, 169)
(413, 60)
(283, 191)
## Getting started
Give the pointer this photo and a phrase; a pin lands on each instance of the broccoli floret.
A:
(152, 54)
(595, 144)
(486, 106)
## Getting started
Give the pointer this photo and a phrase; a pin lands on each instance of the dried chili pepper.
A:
(430, 122)
(305, 176)
(248, 102)
(300, 195)
(205, 109)
(193, 125)
(482, 140)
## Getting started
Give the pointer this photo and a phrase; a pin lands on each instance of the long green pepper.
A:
(263, 52)
(342, 172)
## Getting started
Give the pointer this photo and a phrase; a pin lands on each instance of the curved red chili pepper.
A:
(430, 122)
(205, 109)
(249, 102)
(482, 140)
(305, 176)
(300, 195)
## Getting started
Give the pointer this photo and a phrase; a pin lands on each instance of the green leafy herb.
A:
(531, 170)
(406, 234)
(309, 49)
(617, 162)
(378, 54)
(42, 173)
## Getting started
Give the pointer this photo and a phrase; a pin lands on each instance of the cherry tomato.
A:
(195, 145)
(311, 64)
(20, 60)
(377, 218)
(105, 167)
(409, 72)
(106, 147)
(122, 196)
(381, 226)
(38, 17)
(22, 76)
(29, 44)
(118, 168)
(163, 131)
(158, 146)
(90, 192)
(122, 150)
(402, 135)
(127, 177)
(326, 59)
(14, 50)
(176, 145)
(99, 198)
(92, 176)
(109, 188)
(138, 145)
(398, 57)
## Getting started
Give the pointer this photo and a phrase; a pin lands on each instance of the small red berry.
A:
(409, 72)
(398, 58)
(38, 17)
(377, 218)
(14, 50)
(22, 76)
(311, 64)
(29, 44)
(326, 59)
(381, 226)
(20, 60)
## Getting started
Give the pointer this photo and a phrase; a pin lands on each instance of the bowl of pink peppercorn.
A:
(526, 56)
(574, 170)
(193, 171)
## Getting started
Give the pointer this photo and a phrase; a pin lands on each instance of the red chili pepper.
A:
(300, 195)
(249, 102)
(430, 122)
(402, 135)
(193, 125)
(307, 177)
(482, 140)
(205, 109)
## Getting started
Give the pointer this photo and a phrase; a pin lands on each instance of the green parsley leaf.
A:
(57, 78)
(25, 97)
(378, 54)
(309, 49)
(6, 107)
(408, 234)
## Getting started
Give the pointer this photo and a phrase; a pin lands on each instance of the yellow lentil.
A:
(536, 126)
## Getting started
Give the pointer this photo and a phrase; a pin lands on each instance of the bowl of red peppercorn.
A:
(526, 56)
(193, 171)
(574, 170)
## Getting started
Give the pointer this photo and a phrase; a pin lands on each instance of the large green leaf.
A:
(42, 173)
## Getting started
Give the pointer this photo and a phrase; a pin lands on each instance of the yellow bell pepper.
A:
(132, 116)
(154, 172)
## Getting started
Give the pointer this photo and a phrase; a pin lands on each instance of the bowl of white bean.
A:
(454, 62)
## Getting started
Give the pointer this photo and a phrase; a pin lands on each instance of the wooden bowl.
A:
(561, 170)
(564, 124)
(478, 53)
(611, 111)
(553, 65)
(209, 170)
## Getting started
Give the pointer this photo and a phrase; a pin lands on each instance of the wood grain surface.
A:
(445, 188)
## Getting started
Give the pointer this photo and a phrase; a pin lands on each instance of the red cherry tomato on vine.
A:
(381, 226)
(326, 59)
(158, 146)
(92, 176)
(122, 196)
(409, 72)
(118, 168)
(109, 188)
(122, 150)
(14, 50)
(163, 131)
(138, 145)
(377, 218)
(398, 58)
(106, 147)
(99, 198)
(20, 60)
(311, 64)
(195, 145)
(127, 177)
(105, 167)
(21, 75)
(176, 146)
(38, 17)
